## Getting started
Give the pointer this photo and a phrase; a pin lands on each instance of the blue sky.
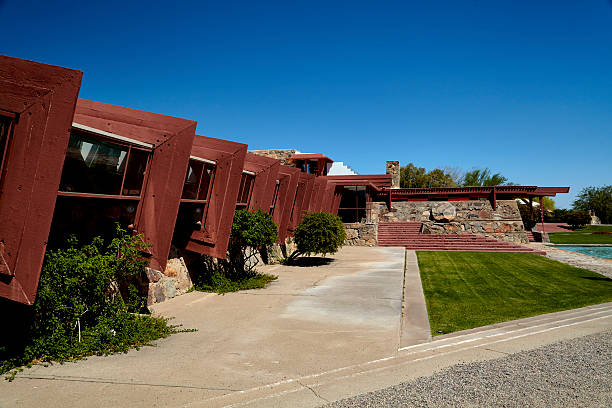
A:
(522, 87)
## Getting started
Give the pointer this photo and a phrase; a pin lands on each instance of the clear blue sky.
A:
(522, 87)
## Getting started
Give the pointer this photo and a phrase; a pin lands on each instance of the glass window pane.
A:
(134, 177)
(88, 217)
(92, 166)
(361, 196)
(245, 188)
(192, 180)
(206, 181)
(348, 215)
(349, 197)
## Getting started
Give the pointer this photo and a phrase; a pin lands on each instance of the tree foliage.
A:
(417, 177)
(598, 200)
(251, 231)
(318, 233)
(483, 177)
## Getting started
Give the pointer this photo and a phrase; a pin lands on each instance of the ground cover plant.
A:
(86, 305)
(590, 234)
(252, 233)
(464, 290)
(318, 233)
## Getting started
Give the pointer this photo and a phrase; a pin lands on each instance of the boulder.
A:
(445, 212)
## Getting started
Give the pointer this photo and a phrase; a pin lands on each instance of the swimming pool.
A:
(604, 252)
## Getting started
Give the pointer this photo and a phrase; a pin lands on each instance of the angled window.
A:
(194, 200)
(244, 193)
(101, 186)
(274, 197)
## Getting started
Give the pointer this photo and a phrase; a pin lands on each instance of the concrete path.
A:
(311, 320)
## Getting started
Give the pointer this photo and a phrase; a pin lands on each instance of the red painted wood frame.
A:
(318, 197)
(171, 140)
(266, 173)
(39, 101)
(302, 200)
(288, 177)
(213, 236)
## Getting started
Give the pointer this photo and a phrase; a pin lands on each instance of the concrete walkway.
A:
(311, 320)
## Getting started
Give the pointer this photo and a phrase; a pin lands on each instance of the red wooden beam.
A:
(266, 173)
(213, 236)
(39, 100)
(288, 177)
(171, 140)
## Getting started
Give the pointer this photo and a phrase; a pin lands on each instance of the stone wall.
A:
(281, 154)
(456, 217)
(393, 169)
(361, 234)
(174, 281)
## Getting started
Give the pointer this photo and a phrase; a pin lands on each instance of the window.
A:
(5, 133)
(297, 190)
(101, 185)
(93, 166)
(194, 200)
(353, 204)
(244, 194)
(274, 197)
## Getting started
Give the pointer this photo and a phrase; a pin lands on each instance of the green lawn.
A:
(585, 235)
(472, 289)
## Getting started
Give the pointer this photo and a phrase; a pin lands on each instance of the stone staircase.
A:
(408, 235)
(530, 236)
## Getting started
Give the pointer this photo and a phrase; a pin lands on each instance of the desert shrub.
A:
(578, 218)
(80, 309)
(251, 232)
(318, 233)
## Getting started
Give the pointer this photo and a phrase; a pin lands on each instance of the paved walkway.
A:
(592, 263)
(311, 320)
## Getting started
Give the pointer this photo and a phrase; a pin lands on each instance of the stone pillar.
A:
(393, 168)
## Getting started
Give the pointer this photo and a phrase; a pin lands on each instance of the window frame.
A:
(121, 143)
(249, 175)
(274, 197)
(355, 208)
(9, 119)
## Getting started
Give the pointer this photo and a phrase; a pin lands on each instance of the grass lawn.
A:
(585, 235)
(464, 290)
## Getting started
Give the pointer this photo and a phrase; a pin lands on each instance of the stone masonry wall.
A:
(456, 217)
(358, 234)
(281, 154)
(174, 281)
(393, 169)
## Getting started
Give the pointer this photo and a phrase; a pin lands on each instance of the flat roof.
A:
(310, 156)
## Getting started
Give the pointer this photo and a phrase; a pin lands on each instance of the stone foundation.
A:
(457, 217)
(174, 281)
(358, 234)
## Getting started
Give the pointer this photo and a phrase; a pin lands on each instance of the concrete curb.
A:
(415, 327)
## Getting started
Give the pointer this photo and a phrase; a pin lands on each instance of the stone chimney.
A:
(393, 168)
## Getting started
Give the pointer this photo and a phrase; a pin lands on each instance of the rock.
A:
(351, 233)
(444, 212)
(153, 275)
(158, 293)
(170, 288)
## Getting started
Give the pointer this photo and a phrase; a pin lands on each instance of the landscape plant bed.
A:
(464, 290)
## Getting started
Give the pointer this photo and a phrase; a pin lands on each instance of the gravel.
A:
(574, 373)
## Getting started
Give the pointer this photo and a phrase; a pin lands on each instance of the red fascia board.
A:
(311, 156)
(288, 177)
(266, 173)
(41, 100)
(172, 140)
(378, 180)
(305, 185)
(214, 234)
(147, 127)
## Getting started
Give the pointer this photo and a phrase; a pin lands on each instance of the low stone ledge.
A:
(358, 234)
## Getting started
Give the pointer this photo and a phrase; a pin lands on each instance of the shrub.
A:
(578, 218)
(318, 233)
(80, 309)
(598, 200)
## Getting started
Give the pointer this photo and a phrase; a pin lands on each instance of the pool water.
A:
(598, 251)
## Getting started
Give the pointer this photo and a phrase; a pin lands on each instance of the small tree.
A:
(578, 218)
(251, 231)
(598, 200)
(318, 233)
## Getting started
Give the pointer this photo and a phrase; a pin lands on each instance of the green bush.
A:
(318, 233)
(252, 231)
(578, 218)
(80, 309)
